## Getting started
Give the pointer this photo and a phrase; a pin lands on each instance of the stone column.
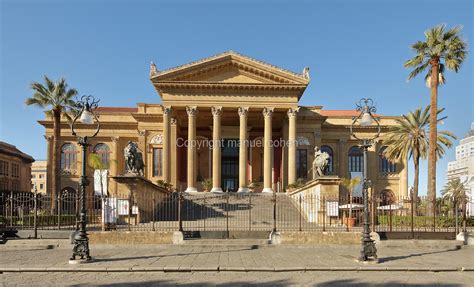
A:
(292, 114)
(49, 165)
(267, 150)
(216, 149)
(192, 113)
(342, 154)
(166, 143)
(174, 152)
(115, 162)
(243, 112)
(404, 179)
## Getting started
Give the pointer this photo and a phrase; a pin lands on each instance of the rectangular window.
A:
(41, 186)
(301, 163)
(15, 186)
(3, 167)
(15, 170)
(3, 185)
(157, 161)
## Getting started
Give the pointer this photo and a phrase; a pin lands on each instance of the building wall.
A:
(145, 128)
(463, 167)
(39, 176)
(15, 170)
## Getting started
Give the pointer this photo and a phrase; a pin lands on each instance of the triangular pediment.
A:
(229, 67)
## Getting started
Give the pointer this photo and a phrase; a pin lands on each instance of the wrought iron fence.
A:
(229, 211)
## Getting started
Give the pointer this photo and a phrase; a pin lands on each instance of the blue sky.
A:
(354, 49)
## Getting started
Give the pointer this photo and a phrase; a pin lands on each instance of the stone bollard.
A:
(275, 238)
(178, 237)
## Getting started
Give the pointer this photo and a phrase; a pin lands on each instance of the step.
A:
(222, 234)
(244, 243)
(35, 244)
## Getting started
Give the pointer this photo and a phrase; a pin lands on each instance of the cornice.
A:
(232, 56)
(225, 86)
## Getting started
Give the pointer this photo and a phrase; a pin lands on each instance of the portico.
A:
(236, 97)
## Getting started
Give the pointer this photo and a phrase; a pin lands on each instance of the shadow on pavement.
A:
(394, 258)
(353, 282)
(276, 283)
(96, 260)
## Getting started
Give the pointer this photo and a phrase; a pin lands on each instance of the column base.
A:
(267, 190)
(217, 190)
(191, 189)
(243, 190)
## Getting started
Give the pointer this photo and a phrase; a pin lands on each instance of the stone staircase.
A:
(238, 212)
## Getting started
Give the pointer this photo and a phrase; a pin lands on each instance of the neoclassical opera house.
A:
(225, 98)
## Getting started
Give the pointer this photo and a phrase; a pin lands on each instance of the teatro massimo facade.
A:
(226, 98)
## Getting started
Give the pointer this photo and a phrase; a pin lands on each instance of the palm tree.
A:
(349, 184)
(408, 139)
(441, 49)
(455, 192)
(56, 99)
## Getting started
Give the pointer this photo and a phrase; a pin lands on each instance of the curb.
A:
(231, 269)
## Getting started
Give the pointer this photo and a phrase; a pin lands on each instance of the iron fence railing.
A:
(229, 211)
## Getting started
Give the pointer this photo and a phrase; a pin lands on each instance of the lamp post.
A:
(366, 108)
(89, 119)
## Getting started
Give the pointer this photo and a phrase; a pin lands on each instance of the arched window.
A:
(68, 157)
(327, 149)
(103, 151)
(356, 159)
(385, 166)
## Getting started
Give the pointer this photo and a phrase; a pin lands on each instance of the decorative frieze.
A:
(191, 110)
(302, 141)
(292, 112)
(243, 111)
(216, 111)
(157, 139)
(166, 110)
(268, 112)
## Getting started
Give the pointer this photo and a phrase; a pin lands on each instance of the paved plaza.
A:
(237, 264)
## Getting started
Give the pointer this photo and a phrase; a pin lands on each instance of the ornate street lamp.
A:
(366, 118)
(89, 119)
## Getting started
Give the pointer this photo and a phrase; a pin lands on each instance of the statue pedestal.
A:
(141, 193)
(319, 199)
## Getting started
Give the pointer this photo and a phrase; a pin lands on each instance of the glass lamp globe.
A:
(86, 117)
(366, 120)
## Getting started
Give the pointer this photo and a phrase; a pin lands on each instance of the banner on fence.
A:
(109, 212)
(123, 207)
(332, 208)
(357, 190)
(100, 182)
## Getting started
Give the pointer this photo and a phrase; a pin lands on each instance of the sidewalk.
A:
(237, 258)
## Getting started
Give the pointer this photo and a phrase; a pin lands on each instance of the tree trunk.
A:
(416, 179)
(56, 176)
(433, 136)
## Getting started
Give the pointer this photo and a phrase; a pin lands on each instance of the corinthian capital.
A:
(191, 110)
(268, 112)
(216, 111)
(166, 110)
(292, 112)
(243, 111)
